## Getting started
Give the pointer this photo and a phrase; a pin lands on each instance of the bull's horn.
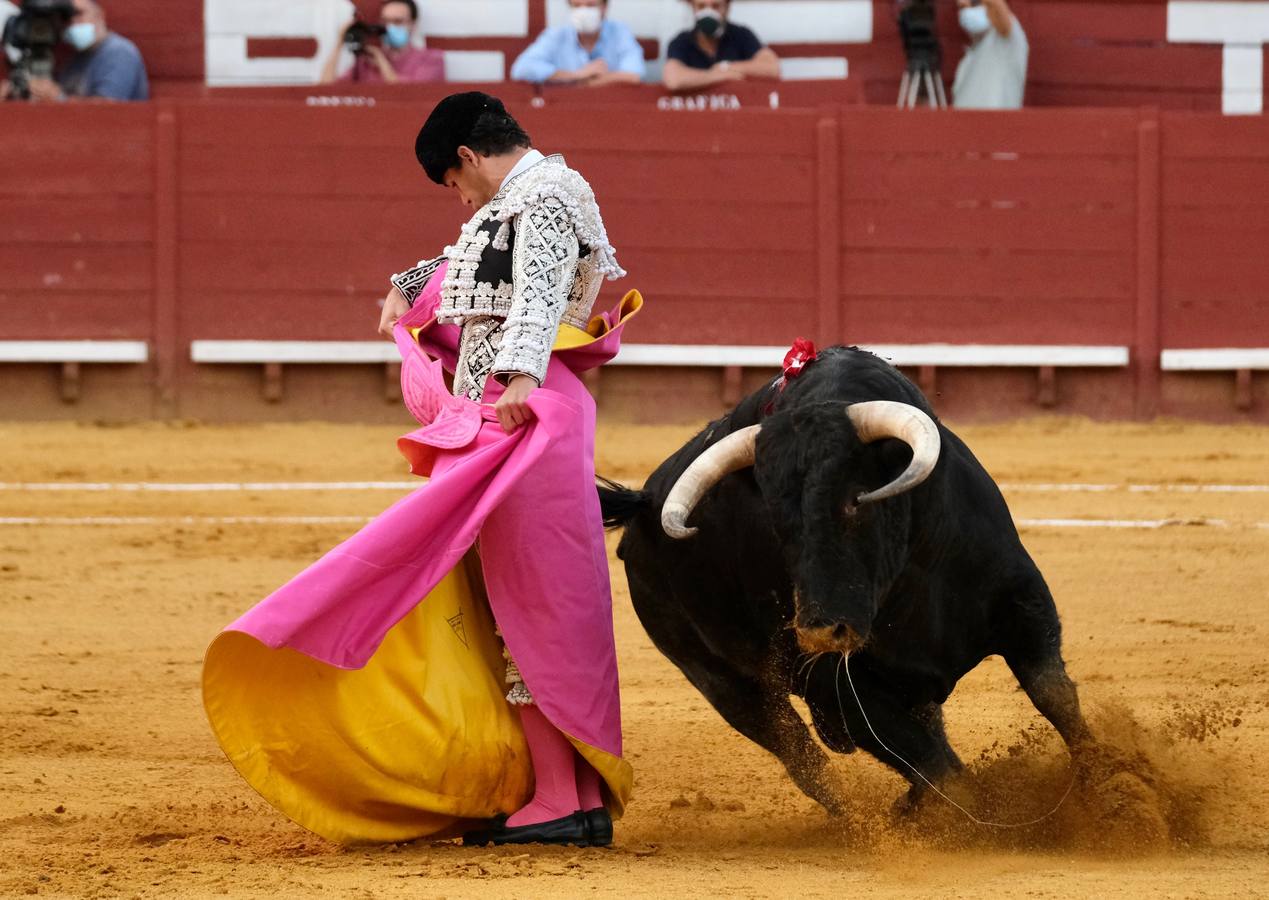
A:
(731, 453)
(877, 419)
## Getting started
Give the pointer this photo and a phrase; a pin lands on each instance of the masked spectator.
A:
(402, 58)
(7, 12)
(105, 64)
(716, 50)
(993, 72)
(592, 49)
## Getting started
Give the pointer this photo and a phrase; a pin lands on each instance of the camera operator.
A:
(105, 65)
(993, 72)
(402, 56)
(7, 12)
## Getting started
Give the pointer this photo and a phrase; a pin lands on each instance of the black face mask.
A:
(709, 23)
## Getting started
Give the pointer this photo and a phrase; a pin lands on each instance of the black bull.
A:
(789, 570)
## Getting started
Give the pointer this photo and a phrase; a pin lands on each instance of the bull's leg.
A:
(765, 716)
(759, 711)
(1033, 652)
(910, 740)
(932, 715)
(1053, 694)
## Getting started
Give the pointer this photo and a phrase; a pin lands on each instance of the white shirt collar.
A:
(533, 157)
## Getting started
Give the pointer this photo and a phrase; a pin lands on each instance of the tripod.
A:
(921, 76)
(918, 26)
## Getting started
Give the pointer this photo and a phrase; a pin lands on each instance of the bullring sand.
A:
(112, 785)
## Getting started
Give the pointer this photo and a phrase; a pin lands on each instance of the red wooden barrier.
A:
(1215, 231)
(1019, 226)
(77, 233)
(809, 94)
(226, 220)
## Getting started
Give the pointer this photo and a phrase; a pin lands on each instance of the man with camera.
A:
(105, 65)
(993, 72)
(399, 59)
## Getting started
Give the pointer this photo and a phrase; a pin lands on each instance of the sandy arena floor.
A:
(113, 786)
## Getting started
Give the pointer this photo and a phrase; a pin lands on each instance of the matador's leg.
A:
(589, 794)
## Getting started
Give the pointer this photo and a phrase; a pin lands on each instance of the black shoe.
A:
(570, 829)
(598, 826)
(479, 837)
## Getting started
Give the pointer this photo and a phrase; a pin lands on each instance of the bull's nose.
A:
(828, 637)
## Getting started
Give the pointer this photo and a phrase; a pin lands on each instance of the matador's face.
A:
(470, 179)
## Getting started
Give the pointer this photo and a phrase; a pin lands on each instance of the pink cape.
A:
(528, 496)
(529, 500)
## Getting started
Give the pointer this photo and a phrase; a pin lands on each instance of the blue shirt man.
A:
(591, 49)
(105, 64)
(113, 69)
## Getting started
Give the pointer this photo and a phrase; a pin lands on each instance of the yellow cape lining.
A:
(419, 742)
(570, 337)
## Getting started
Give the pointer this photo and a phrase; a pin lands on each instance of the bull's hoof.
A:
(909, 804)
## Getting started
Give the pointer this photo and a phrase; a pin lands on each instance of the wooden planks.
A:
(974, 319)
(77, 235)
(315, 207)
(1022, 226)
(282, 223)
(1215, 272)
(44, 314)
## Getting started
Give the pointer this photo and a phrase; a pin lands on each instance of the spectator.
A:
(9, 56)
(993, 72)
(592, 50)
(7, 12)
(404, 59)
(105, 64)
(716, 50)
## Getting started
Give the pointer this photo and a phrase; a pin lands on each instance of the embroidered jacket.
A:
(534, 256)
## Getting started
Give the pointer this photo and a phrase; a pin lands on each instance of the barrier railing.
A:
(277, 220)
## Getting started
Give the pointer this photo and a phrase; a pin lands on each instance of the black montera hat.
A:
(449, 127)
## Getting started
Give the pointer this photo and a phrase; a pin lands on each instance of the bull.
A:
(831, 518)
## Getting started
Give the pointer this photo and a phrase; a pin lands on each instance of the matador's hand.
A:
(394, 307)
(512, 408)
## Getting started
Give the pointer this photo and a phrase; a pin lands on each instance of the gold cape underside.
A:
(419, 742)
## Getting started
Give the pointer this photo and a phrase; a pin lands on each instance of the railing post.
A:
(828, 232)
(165, 329)
(1146, 337)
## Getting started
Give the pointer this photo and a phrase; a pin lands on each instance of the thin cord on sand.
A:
(969, 815)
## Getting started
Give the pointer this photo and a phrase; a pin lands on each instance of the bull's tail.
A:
(619, 503)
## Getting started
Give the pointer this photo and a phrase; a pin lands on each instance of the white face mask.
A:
(586, 19)
(974, 20)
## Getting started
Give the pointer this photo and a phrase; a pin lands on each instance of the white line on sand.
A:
(254, 486)
(184, 520)
(194, 487)
(361, 520)
(1123, 523)
(1044, 488)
